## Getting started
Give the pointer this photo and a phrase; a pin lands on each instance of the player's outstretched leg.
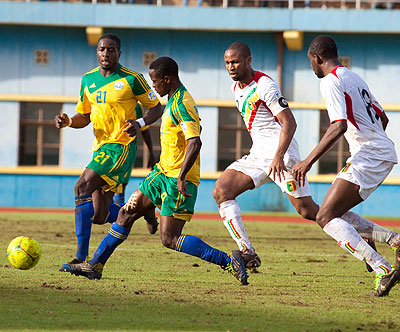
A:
(232, 219)
(349, 240)
(194, 246)
(93, 269)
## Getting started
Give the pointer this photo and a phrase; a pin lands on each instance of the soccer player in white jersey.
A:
(355, 113)
(274, 152)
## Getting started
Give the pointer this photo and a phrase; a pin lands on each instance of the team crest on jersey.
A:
(291, 186)
(184, 127)
(118, 85)
(152, 95)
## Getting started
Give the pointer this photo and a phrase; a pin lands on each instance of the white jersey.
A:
(259, 103)
(347, 97)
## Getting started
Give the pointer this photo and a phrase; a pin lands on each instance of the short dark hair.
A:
(165, 66)
(241, 47)
(111, 36)
(324, 46)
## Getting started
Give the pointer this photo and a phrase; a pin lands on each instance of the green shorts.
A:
(113, 162)
(163, 192)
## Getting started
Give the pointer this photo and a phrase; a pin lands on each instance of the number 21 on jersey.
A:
(101, 97)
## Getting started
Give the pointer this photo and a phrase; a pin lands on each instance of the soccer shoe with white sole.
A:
(76, 260)
(84, 269)
(385, 282)
(236, 267)
(251, 261)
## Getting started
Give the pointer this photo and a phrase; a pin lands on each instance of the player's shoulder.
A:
(91, 73)
(264, 80)
(126, 72)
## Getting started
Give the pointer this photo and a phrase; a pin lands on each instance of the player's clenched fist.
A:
(62, 120)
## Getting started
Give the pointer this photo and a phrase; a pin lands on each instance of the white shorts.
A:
(366, 173)
(257, 169)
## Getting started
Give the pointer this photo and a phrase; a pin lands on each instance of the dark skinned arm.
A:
(78, 120)
(384, 119)
(147, 139)
(192, 151)
(331, 136)
(277, 167)
(151, 116)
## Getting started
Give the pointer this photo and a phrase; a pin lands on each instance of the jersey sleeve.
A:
(186, 116)
(83, 105)
(270, 94)
(334, 98)
(143, 92)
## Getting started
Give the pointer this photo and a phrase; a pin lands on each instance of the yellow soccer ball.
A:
(23, 253)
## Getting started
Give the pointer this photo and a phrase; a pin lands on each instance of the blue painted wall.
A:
(53, 191)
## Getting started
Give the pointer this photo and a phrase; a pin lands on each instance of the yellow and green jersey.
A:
(180, 121)
(111, 101)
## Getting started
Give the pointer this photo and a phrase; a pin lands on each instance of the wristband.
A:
(141, 122)
(70, 122)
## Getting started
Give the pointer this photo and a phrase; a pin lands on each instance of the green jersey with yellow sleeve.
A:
(180, 121)
(111, 101)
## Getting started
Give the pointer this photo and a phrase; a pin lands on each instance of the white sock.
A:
(232, 219)
(367, 228)
(348, 239)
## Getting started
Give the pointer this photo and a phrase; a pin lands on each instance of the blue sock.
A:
(115, 236)
(192, 245)
(114, 209)
(83, 224)
(119, 199)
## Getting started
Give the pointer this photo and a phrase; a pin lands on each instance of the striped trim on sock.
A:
(117, 235)
(180, 242)
(232, 228)
(349, 247)
(384, 269)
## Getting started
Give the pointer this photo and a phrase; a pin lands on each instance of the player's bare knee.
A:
(168, 241)
(307, 213)
(220, 194)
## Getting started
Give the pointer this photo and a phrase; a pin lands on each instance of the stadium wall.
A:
(196, 38)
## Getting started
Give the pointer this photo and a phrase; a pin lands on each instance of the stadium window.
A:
(39, 139)
(142, 156)
(334, 160)
(234, 140)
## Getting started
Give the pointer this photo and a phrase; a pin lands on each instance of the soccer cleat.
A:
(251, 261)
(84, 269)
(152, 224)
(76, 260)
(385, 282)
(236, 267)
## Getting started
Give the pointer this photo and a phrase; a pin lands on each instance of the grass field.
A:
(306, 283)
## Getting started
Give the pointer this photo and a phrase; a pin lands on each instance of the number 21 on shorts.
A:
(101, 157)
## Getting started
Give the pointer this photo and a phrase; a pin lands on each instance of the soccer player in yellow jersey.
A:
(108, 96)
(171, 186)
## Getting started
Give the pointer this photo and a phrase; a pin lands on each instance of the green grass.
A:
(306, 283)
